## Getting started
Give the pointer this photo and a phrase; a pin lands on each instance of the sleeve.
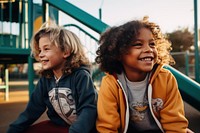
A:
(86, 97)
(35, 108)
(108, 119)
(172, 115)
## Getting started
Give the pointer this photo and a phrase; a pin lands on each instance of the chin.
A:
(147, 69)
(45, 68)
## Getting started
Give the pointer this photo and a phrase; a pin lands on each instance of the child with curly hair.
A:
(137, 94)
(65, 88)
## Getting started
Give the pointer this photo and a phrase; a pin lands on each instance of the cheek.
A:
(128, 59)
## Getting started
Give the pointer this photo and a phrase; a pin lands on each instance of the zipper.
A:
(57, 98)
(56, 91)
(127, 109)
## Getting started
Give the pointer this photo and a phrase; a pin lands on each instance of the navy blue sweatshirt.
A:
(69, 102)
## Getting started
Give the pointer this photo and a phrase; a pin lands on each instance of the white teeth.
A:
(43, 61)
(146, 59)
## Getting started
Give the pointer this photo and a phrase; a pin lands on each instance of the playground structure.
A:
(28, 16)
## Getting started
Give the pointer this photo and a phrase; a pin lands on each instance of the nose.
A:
(41, 54)
(147, 49)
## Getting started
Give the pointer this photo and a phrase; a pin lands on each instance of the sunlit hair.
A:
(63, 39)
(116, 41)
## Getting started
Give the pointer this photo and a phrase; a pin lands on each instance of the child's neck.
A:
(136, 77)
(58, 74)
(57, 78)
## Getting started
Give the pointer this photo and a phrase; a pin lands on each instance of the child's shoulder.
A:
(166, 73)
(162, 72)
(162, 69)
(82, 70)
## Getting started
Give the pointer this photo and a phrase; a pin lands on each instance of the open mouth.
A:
(44, 61)
(147, 59)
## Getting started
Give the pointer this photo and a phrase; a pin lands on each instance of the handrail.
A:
(67, 25)
(189, 88)
(79, 15)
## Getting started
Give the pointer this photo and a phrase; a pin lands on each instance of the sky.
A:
(169, 14)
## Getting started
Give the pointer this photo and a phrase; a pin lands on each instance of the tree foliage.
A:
(181, 39)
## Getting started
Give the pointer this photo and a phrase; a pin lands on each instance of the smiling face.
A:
(51, 57)
(140, 57)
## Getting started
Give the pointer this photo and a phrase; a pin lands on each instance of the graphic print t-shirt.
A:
(63, 103)
(140, 115)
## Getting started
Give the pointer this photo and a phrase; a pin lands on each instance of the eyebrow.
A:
(142, 40)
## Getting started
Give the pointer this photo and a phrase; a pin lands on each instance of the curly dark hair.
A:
(116, 40)
(66, 41)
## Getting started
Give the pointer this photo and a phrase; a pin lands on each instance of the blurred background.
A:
(20, 19)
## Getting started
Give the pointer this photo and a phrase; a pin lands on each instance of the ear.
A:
(66, 54)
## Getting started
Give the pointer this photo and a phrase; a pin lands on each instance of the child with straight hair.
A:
(65, 88)
(138, 95)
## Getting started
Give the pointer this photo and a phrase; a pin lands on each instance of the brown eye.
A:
(136, 44)
(152, 44)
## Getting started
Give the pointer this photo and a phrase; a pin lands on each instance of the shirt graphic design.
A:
(141, 117)
(157, 104)
(63, 103)
(138, 110)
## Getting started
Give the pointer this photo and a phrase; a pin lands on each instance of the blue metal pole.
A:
(30, 59)
(196, 41)
(100, 16)
(187, 63)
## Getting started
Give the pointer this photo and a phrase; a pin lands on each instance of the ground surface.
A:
(9, 110)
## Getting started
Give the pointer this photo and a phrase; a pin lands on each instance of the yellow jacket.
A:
(113, 115)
